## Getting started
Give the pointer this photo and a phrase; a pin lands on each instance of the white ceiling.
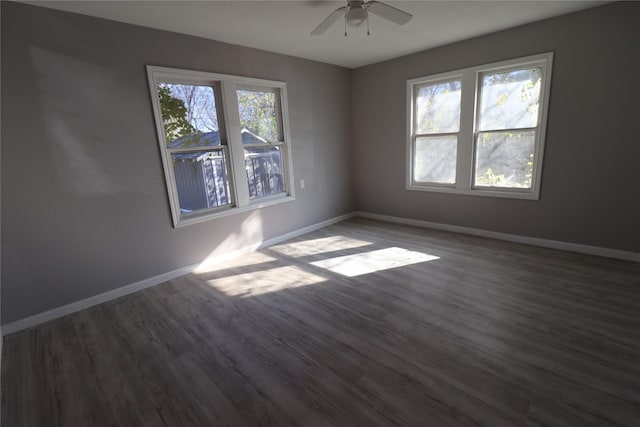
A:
(284, 26)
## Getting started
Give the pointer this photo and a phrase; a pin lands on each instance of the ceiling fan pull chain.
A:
(367, 23)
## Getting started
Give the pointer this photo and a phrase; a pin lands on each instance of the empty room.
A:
(320, 213)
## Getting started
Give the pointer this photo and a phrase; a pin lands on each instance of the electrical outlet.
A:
(302, 184)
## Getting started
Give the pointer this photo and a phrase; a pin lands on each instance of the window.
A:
(224, 142)
(437, 124)
(480, 130)
(262, 140)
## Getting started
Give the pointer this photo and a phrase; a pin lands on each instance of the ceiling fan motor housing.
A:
(356, 14)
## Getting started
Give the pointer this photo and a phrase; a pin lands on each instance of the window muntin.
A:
(437, 122)
(224, 142)
(502, 120)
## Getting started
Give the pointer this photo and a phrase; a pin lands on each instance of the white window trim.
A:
(234, 148)
(470, 92)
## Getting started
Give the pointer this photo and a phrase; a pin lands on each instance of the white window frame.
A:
(467, 135)
(229, 122)
(433, 80)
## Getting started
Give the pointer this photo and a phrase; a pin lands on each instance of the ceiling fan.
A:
(357, 12)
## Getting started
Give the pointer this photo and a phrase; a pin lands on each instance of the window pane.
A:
(435, 159)
(264, 171)
(189, 115)
(201, 180)
(510, 100)
(438, 108)
(504, 159)
(258, 116)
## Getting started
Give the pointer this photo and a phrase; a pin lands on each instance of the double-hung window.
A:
(224, 142)
(262, 139)
(479, 130)
(437, 129)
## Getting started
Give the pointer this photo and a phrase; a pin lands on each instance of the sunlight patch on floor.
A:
(318, 246)
(370, 262)
(265, 281)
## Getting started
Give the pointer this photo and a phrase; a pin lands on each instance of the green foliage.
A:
(258, 113)
(489, 178)
(530, 89)
(506, 159)
(528, 178)
(174, 115)
(502, 98)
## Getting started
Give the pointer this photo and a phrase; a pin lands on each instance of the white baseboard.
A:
(73, 307)
(554, 244)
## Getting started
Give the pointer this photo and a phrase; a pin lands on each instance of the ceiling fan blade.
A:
(329, 20)
(391, 13)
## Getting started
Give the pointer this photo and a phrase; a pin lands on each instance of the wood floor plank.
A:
(487, 333)
(318, 353)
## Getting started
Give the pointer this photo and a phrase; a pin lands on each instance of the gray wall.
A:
(590, 191)
(84, 202)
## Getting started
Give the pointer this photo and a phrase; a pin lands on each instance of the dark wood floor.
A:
(488, 334)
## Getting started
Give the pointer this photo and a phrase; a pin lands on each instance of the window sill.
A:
(256, 204)
(500, 193)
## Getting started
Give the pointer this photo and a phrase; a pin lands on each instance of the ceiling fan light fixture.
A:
(356, 13)
(356, 16)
